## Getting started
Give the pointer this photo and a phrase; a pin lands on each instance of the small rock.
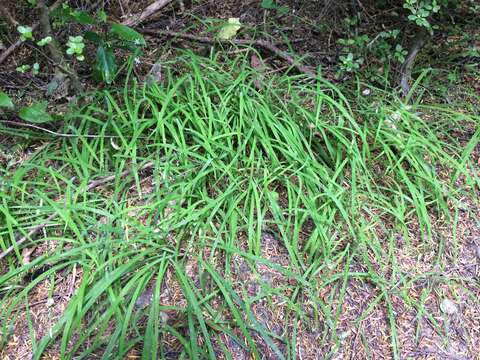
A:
(58, 87)
(448, 307)
(344, 335)
(477, 251)
(155, 74)
(145, 299)
(366, 92)
(164, 317)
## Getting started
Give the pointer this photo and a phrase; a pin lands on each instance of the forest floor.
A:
(240, 210)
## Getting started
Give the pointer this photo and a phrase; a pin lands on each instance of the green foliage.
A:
(64, 15)
(422, 10)
(25, 32)
(102, 16)
(352, 21)
(82, 17)
(349, 63)
(45, 41)
(23, 68)
(127, 34)
(5, 101)
(105, 65)
(387, 46)
(336, 178)
(400, 53)
(272, 5)
(358, 41)
(358, 49)
(229, 29)
(35, 113)
(118, 37)
(35, 69)
(75, 47)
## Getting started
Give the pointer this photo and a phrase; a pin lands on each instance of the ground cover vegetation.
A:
(239, 179)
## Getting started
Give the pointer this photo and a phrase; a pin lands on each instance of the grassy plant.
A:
(231, 162)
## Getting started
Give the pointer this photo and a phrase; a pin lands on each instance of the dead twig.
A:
(36, 127)
(92, 185)
(29, 235)
(145, 14)
(260, 43)
(51, 132)
(17, 43)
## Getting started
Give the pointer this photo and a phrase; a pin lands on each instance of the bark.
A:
(54, 49)
(407, 67)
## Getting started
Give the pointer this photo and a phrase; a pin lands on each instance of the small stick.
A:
(149, 11)
(92, 185)
(96, 183)
(261, 43)
(36, 127)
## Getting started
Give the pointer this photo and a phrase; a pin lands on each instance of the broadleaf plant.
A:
(126, 33)
(6, 101)
(35, 113)
(105, 66)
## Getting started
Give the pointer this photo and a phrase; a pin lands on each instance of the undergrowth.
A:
(333, 180)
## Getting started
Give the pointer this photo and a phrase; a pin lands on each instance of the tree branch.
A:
(407, 66)
(260, 43)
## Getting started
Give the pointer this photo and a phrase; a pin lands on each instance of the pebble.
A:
(477, 251)
(448, 307)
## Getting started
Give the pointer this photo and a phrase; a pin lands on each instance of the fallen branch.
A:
(260, 43)
(145, 14)
(6, 14)
(17, 43)
(92, 185)
(407, 66)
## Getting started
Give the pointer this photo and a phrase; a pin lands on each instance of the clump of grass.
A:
(295, 158)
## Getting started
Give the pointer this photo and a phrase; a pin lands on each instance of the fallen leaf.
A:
(230, 29)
